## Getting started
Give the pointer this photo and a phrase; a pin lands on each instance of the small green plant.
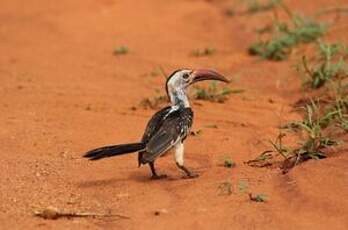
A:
(212, 94)
(339, 107)
(226, 188)
(153, 103)
(317, 140)
(121, 50)
(254, 6)
(157, 71)
(279, 147)
(229, 163)
(323, 116)
(208, 51)
(285, 37)
(242, 186)
(258, 197)
(327, 65)
(315, 135)
(263, 160)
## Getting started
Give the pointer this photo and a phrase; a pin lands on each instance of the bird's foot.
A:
(158, 177)
(191, 175)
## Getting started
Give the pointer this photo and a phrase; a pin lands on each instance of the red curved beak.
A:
(207, 74)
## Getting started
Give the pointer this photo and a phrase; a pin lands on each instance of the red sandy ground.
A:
(63, 92)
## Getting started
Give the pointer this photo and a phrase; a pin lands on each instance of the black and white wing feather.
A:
(164, 131)
(155, 123)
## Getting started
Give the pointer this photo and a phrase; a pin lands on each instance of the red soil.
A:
(63, 92)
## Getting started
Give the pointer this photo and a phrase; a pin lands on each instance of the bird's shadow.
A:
(137, 177)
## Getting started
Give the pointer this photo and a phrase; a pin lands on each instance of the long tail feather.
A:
(113, 150)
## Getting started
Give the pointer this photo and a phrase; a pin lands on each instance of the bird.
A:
(168, 128)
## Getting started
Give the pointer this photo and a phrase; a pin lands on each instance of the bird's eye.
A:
(186, 75)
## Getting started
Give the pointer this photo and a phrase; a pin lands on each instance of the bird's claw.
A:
(158, 177)
(191, 176)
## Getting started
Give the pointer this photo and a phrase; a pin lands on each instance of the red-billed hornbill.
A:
(168, 128)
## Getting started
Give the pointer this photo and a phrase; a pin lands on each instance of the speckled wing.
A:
(174, 127)
(155, 123)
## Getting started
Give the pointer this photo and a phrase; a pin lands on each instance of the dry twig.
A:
(53, 214)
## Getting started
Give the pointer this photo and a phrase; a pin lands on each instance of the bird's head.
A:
(181, 79)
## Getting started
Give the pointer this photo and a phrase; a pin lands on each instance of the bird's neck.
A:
(179, 98)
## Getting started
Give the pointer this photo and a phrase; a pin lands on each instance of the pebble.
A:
(161, 211)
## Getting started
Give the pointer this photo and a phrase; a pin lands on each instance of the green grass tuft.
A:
(226, 188)
(284, 38)
(327, 65)
(313, 125)
(208, 51)
(154, 103)
(121, 50)
(242, 186)
(213, 94)
(258, 197)
(229, 163)
(254, 6)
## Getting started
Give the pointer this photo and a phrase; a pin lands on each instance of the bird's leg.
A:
(155, 176)
(179, 159)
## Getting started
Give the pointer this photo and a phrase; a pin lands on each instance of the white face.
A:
(180, 80)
